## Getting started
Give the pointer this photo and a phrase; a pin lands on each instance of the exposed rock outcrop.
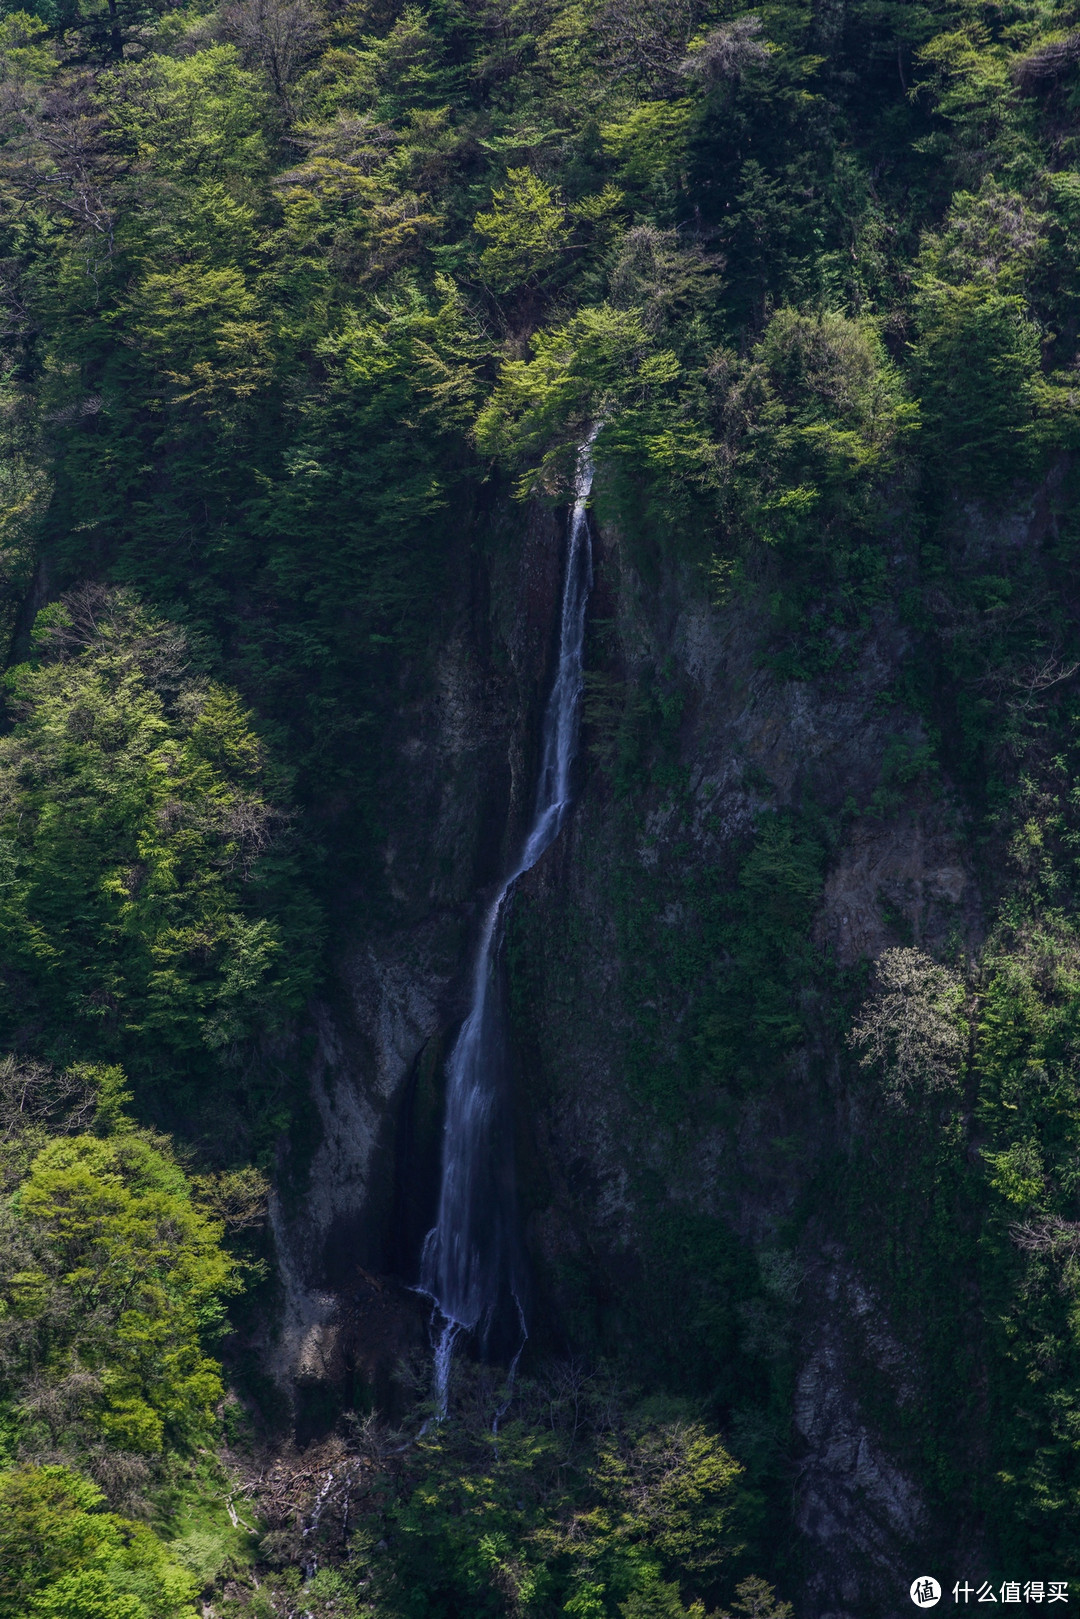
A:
(741, 741)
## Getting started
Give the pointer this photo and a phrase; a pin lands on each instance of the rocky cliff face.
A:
(629, 1183)
(611, 1157)
(349, 1219)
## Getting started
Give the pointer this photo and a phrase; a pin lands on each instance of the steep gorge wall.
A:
(641, 1178)
(351, 1212)
(671, 1222)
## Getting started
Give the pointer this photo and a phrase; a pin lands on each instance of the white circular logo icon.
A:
(925, 1591)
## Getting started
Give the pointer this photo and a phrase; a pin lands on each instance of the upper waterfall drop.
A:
(470, 1263)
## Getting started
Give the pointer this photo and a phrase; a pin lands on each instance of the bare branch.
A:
(911, 1028)
(727, 53)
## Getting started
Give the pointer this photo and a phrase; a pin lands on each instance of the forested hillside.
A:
(307, 309)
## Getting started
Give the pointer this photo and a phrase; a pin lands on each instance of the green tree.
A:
(135, 825)
(756, 1599)
(525, 231)
(814, 426)
(601, 364)
(63, 1557)
(823, 420)
(113, 1281)
(195, 117)
(977, 364)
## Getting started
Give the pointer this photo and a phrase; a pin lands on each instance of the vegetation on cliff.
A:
(296, 294)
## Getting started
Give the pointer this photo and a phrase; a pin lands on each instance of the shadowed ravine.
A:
(471, 1266)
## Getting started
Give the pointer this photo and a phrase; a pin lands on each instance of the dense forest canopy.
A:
(301, 298)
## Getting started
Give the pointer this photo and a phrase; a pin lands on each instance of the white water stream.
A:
(470, 1265)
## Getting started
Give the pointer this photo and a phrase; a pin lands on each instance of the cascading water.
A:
(470, 1265)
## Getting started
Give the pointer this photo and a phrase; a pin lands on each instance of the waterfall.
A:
(470, 1265)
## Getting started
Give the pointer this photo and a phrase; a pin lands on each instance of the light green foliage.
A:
(966, 70)
(825, 416)
(649, 148)
(756, 1599)
(329, 1595)
(63, 1557)
(525, 231)
(389, 74)
(112, 1279)
(603, 363)
(817, 426)
(811, 427)
(198, 328)
(670, 1488)
(194, 117)
(992, 238)
(584, 1501)
(26, 55)
(659, 1601)
(367, 490)
(134, 822)
(39, 1102)
(288, 290)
